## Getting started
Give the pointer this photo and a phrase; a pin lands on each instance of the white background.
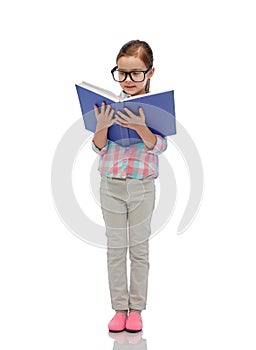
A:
(54, 291)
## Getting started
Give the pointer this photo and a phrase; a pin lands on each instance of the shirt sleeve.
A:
(160, 146)
(100, 151)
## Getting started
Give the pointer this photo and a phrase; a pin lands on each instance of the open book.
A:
(158, 109)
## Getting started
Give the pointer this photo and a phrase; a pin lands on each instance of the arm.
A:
(100, 138)
(160, 146)
(147, 136)
(104, 121)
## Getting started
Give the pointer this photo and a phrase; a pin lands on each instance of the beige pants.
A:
(127, 207)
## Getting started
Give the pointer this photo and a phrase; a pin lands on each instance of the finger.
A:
(123, 116)
(103, 106)
(111, 117)
(141, 113)
(121, 124)
(121, 120)
(113, 121)
(96, 110)
(107, 109)
(130, 114)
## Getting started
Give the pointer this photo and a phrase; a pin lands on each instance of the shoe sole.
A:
(133, 330)
(116, 331)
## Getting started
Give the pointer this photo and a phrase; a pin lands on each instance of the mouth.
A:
(130, 87)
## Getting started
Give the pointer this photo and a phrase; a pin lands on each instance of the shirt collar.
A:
(124, 95)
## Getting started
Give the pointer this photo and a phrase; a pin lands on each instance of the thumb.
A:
(141, 113)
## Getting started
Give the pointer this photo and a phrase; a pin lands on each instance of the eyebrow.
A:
(135, 69)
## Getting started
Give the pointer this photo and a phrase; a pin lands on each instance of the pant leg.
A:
(114, 209)
(140, 209)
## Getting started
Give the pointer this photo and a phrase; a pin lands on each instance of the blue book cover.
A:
(158, 108)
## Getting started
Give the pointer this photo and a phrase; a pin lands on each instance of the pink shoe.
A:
(134, 322)
(117, 324)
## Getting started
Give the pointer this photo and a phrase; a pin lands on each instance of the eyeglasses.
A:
(137, 76)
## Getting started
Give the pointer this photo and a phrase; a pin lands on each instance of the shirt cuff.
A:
(100, 151)
(160, 146)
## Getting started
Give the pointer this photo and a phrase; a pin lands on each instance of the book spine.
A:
(125, 139)
(124, 132)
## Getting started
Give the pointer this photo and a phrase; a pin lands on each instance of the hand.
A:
(131, 120)
(104, 116)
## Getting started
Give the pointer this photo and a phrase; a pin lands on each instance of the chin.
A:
(134, 92)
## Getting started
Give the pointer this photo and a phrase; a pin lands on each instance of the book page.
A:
(146, 94)
(99, 90)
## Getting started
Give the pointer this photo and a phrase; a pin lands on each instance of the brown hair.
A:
(141, 49)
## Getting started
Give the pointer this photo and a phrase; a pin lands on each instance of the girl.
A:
(127, 189)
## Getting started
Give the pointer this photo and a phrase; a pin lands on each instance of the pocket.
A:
(149, 182)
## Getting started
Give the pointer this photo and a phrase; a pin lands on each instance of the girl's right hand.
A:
(105, 116)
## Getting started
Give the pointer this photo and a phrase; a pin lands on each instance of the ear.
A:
(151, 73)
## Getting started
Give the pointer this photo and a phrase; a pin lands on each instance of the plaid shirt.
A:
(135, 161)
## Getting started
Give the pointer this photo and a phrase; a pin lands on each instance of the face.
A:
(129, 64)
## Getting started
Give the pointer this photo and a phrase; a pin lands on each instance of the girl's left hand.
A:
(131, 120)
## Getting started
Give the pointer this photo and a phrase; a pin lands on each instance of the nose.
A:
(128, 77)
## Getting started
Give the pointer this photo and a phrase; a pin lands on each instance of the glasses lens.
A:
(137, 76)
(119, 76)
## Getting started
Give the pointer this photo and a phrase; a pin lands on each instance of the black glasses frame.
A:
(115, 69)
